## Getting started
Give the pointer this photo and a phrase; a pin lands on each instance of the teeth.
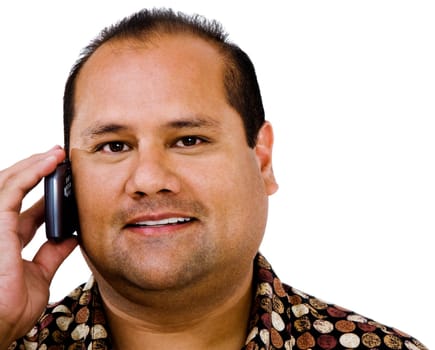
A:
(167, 221)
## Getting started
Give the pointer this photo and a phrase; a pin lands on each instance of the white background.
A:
(350, 89)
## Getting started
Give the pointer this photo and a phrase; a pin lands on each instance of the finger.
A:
(30, 221)
(51, 255)
(24, 163)
(18, 180)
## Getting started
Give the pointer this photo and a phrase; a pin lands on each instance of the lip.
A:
(158, 217)
(157, 224)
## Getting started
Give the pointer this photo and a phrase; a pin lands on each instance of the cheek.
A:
(237, 193)
(98, 199)
(95, 190)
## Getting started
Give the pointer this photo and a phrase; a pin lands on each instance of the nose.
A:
(151, 173)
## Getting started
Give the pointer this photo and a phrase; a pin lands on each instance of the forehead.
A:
(180, 55)
(163, 77)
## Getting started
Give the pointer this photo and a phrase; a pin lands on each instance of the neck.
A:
(216, 318)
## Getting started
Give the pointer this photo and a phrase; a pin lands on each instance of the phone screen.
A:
(60, 207)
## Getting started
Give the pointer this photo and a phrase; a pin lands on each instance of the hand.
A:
(24, 285)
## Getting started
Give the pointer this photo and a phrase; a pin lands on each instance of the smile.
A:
(168, 221)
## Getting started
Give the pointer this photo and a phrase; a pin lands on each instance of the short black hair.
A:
(240, 80)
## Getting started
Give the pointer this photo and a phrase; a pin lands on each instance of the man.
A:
(172, 166)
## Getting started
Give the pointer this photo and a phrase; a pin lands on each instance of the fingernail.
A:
(50, 159)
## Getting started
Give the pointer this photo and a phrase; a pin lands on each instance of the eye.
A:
(189, 141)
(113, 147)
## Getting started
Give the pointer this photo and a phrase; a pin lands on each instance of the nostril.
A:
(143, 194)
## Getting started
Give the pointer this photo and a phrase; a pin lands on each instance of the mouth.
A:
(172, 221)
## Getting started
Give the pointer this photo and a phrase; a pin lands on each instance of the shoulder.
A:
(316, 322)
(304, 321)
(67, 322)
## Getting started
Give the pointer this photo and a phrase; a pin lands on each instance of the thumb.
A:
(51, 255)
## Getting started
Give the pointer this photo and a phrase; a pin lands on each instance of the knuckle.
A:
(4, 179)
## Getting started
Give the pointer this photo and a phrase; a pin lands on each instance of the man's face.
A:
(168, 191)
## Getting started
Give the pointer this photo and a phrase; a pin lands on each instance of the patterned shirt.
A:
(282, 317)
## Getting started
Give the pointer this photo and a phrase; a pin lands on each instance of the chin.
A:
(152, 272)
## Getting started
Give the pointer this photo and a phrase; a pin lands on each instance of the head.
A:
(240, 81)
(171, 179)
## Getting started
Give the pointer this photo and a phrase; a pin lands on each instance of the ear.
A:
(263, 152)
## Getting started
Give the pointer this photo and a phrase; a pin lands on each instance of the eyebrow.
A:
(102, 129)
(193, 122)
(182, 123)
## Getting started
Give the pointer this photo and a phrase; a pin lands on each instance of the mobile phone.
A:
(61, 220)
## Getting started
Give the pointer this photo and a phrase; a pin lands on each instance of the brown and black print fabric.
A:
(282, 317)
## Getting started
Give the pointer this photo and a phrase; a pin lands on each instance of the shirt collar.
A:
(268, 325)
(270, 317)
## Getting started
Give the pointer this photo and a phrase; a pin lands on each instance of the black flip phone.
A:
(61, 220)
